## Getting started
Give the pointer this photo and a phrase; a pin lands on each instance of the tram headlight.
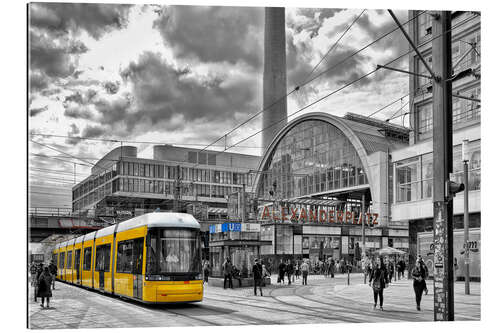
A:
(198, 276)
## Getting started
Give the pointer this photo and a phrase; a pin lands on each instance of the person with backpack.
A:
(419, 273)
(44, 283)
(281, 271)
(379, 281)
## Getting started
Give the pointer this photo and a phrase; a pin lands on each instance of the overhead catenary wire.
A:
(334, 45)
(311, 80)
(346, 85)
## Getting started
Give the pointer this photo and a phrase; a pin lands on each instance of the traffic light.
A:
(453, 188)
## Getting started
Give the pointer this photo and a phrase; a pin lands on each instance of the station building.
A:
(412, 166)
(124, 185)
(311, 183)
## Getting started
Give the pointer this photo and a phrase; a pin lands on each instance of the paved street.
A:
(324, 300)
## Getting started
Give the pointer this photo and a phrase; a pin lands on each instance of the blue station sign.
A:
(225, 227)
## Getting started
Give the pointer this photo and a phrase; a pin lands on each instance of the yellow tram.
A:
(153, 258)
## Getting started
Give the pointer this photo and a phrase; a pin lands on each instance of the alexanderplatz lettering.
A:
(321, 215)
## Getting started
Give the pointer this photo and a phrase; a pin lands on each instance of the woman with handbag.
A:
(379, 277)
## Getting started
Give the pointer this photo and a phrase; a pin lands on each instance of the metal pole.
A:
(243, 208)
(443, 162)
(363, 253)
(466, 226)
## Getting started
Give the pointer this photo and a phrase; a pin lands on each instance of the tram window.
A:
(129, 256)
(102, 258)
(68, 261)
(61, 259)
(87, 259)
(124, 257)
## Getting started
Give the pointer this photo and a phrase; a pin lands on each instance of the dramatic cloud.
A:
(95, 19)
(35, 111)
(214, 34)
(112, 87)
(74, 130)
(78, 112)
(161, 91)
(93, 131)
(311, 19)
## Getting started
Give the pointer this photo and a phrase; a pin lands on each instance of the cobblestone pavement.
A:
(323, 300)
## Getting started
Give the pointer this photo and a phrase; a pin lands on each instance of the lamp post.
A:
(465, 159)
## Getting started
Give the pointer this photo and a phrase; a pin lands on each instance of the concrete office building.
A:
(124, 185)
(412, 167)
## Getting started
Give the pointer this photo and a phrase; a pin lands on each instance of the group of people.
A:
(380, 277)
(43, 280)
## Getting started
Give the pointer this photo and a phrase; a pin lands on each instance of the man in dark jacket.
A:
(227, 268)
(257, 277)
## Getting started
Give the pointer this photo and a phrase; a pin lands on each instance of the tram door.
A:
(138, 246)
(78, 277)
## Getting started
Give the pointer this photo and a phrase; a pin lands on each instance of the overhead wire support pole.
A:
(414, 47)
(405, 72)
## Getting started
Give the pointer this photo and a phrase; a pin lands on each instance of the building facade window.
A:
(314, 156)
(467, 110)
(424, 115)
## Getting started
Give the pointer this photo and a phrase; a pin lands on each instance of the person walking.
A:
(257, 277)
(331, 268)
(289, 271)
(53, 272)
(305, 271)
(39, 270)
(227, 268)
(419, 273)
(391, 270)
(206, 271)
(44, 283)
(297, 270)
(281, 271)
(378, 281)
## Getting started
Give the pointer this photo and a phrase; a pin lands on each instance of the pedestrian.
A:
(391, 270)
(33, 270)
(331, 268)
(236, 273)
(265, 273)
(297, 270)
(53, 272)
(227, 268)
(206, 271)
(380, 281)
(305, 271)
(289, 271)
(44, 284)
(281, 271)
(39, 270)
(257, 277)
(403, 268)
(419, 273)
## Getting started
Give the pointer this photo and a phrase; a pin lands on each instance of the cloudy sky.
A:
(184, 75)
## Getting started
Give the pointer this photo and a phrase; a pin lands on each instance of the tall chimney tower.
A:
(274, 74)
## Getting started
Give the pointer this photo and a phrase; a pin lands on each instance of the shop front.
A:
(240, 242)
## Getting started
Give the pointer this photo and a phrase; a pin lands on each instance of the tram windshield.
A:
(173, 251)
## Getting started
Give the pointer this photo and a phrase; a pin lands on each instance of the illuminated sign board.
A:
(317, 215)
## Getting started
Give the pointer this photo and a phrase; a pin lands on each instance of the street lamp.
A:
(465, 160)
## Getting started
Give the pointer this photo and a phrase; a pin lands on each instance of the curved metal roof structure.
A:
(366, 135)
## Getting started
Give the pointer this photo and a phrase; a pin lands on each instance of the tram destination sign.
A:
(317, 215)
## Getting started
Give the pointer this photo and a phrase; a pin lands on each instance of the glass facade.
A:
(414, 175)
(312, 157)
(154, 178)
